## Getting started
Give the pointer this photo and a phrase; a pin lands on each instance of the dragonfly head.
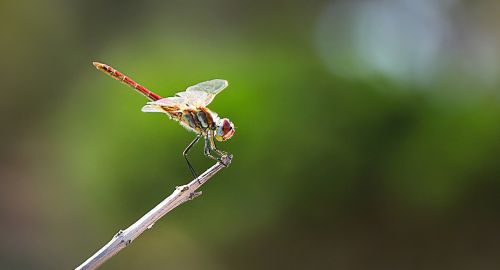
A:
(225, 130)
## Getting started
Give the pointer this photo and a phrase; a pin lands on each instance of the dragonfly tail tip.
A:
(97, 65)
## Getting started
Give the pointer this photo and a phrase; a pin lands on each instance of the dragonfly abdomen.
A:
(126, 80)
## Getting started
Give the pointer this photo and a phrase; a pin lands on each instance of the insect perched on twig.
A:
(189, 109)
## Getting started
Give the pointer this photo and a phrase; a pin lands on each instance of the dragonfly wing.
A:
(199, 95)
(212, 86)
(169, 102)
(151, 108)
(203, 93)
(155, 106)
(194, 98)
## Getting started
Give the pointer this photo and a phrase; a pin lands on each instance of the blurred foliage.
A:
(331, 170)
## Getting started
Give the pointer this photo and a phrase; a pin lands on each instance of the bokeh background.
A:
(368, 133)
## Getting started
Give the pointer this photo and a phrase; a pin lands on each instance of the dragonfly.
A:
(189, 108)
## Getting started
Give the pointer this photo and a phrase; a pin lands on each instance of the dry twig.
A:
(124, 237)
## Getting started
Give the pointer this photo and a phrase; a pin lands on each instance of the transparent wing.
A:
(199, 95)
(194, 98)
(170, 101)
(203, 93)
(151, 108)
(211, 87)
(155, 106)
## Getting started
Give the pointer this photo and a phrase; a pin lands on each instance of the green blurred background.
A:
(368, 133)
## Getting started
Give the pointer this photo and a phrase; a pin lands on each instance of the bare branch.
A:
(181, 195)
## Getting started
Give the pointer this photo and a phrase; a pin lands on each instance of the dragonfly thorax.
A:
(199, 120)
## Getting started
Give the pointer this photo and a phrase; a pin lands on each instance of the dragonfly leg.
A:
(214, 148)
(185, 152)
(210, 146)
(208, 150)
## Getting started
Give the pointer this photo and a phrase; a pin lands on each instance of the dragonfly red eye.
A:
(225, 130)
(226, 126)
(229, 134)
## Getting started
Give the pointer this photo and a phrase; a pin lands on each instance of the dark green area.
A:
(329, 171)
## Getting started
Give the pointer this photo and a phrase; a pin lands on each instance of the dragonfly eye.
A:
(225, 130)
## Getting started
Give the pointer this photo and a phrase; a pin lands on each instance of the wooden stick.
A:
(180, 195)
